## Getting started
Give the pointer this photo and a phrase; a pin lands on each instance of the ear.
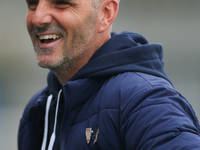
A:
(108, 13)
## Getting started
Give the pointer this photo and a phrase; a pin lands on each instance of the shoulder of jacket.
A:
(136, 82)
(136, 90)
(121, 89)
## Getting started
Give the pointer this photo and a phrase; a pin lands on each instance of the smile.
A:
(49, 38)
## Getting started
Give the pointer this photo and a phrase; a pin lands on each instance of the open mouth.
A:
(49, 38)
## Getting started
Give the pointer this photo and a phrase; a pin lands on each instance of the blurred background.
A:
(175, 24)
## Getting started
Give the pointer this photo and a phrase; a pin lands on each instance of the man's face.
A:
(61, 30)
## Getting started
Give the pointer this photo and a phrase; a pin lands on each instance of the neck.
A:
(65, 73)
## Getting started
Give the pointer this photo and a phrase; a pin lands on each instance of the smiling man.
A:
(105, 90)
(66, 33)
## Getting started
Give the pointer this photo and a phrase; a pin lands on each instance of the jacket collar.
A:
(77, 92)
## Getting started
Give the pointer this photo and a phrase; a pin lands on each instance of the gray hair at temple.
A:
(96, 3)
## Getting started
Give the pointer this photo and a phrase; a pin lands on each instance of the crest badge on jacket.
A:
(88, 134)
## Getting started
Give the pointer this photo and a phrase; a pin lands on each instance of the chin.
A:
(45, 62)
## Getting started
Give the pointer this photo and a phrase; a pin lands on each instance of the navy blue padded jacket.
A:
(124, 96)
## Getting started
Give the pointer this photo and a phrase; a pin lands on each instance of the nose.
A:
(42, 14)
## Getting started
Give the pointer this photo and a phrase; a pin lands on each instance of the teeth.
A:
(52, 36)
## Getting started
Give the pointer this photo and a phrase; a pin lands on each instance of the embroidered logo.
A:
(88, 134)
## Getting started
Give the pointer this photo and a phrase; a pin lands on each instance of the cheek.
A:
(68, 20)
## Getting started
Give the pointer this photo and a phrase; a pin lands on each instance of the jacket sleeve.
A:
(159, 118)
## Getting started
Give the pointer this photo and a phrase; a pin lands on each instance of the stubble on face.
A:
(82, 35)
(43, 53)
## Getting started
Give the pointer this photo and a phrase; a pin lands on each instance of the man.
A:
(105, 91)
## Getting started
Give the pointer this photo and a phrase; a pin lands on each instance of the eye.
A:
(62, 4)
(32, 5)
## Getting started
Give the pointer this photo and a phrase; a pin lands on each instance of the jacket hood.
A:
(124, 52)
